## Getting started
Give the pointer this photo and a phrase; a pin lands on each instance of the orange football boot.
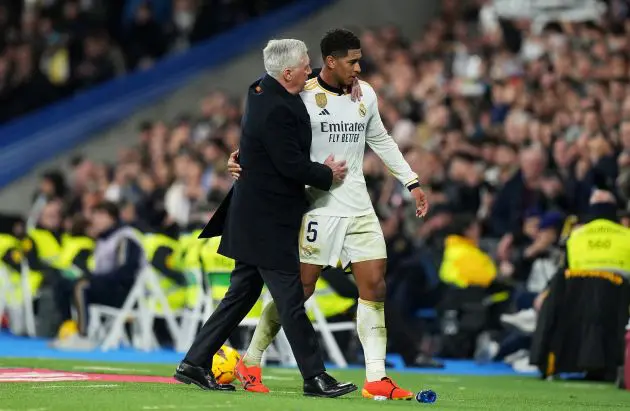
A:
(385, 389)
(250, 377)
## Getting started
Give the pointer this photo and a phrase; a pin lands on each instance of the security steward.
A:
(43, 244)
(76, 256)
(161, 248)
(74, 262)
(583, 317)
(11, 234)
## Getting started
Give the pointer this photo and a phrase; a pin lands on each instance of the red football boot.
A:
(385, 389)
(250, 377)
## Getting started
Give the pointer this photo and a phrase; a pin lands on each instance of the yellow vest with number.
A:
(176, 295)
(600, 245)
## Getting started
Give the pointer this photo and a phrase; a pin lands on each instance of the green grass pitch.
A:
(454, 392)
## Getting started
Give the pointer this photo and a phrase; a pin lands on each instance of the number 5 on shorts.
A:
(311, 231)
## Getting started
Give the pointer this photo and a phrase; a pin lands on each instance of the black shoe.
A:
(190, 374)
(326, 386)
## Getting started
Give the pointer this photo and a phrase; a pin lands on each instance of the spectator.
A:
(519, 193)
(145, 39)
(53, 49)
(96, 66)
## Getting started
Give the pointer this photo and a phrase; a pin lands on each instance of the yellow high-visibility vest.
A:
(600, 245)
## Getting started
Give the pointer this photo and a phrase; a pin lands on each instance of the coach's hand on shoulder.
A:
(233, 166)
(338, 168)
(422, 205)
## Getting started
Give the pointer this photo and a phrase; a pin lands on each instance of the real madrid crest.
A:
(321, 100)
(362, 110)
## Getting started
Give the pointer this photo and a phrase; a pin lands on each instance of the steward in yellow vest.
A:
(75, 262)
(11, 235)
(77, 252)
(161, 249)
(470, 290)
(11, 231)
(42, 245)
(10, 252)
(581, 323)
(464, 264)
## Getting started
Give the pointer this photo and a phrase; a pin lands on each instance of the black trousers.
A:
(246, 284)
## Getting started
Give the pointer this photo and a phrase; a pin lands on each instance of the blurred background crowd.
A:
(509, 127)
(50, 49)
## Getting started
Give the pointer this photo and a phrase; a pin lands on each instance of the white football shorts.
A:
(327, 240)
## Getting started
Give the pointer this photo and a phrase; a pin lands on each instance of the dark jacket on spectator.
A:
(511, 202)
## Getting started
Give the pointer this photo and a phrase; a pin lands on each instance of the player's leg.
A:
(314, 253)
(371, 316)
(248, 370)
(365, 247)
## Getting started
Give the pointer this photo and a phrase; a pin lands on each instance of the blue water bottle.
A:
(426, 396)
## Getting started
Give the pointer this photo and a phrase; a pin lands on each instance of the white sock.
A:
(265, 332)
(373, 336)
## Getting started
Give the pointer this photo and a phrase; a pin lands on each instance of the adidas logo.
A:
(324, 112)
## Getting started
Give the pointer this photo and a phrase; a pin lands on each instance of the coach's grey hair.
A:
(282, 54)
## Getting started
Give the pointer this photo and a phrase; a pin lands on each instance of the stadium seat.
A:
(327, 330)
(139, 309)
(19, 297)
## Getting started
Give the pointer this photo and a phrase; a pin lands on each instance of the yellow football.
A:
(223, 364)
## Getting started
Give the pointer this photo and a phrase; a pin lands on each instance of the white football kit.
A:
(341, 225)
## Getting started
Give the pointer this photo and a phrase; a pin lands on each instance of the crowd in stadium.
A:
(51, 49)
(509, 130)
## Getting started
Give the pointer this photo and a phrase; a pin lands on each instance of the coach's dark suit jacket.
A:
(260, 219)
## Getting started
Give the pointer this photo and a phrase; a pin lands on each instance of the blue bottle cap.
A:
(426, 396)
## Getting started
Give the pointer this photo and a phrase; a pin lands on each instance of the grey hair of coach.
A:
(283, 54)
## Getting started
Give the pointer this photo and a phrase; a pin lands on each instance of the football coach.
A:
(260, 219)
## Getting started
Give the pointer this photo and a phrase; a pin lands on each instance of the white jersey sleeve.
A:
(379, 140)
